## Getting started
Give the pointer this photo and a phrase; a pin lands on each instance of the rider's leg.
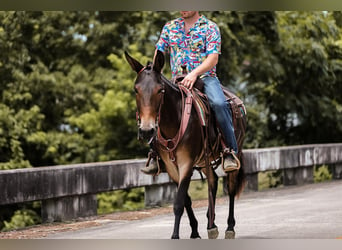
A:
(221, 108)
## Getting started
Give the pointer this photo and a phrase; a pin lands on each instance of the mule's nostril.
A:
(147, 133)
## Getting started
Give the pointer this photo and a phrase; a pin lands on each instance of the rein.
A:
(170, 145)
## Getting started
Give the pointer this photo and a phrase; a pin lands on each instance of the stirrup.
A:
(152, 155)
(224, 154)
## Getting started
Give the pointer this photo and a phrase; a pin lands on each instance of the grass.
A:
(273, 179)
(198, 190)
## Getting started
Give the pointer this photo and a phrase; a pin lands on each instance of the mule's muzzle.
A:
(146, 134)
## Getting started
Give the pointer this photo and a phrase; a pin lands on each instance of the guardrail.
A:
(69, 191)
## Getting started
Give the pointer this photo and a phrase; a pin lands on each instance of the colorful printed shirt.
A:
(189, 49)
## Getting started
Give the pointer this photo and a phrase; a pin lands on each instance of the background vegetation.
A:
(66, 91)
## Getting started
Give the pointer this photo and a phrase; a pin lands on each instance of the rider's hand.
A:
(189, 80)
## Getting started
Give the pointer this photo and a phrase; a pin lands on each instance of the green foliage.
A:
(14, 127)
(22, 218)
(298, 77)
(286, 66)
(64, 73)
(322, 173)
(198, 190)
(66, 91)
(270, 179)
(121, 200)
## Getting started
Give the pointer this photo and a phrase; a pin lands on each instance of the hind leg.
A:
(230, 232)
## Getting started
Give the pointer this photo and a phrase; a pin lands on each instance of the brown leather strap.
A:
(238, 112)
(170, 145)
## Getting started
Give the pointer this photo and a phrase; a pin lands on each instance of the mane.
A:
(149, 66)
(169, 83)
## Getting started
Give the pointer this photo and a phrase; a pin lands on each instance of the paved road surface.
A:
(300, 212)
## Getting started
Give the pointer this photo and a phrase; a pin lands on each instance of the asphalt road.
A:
(311, 211)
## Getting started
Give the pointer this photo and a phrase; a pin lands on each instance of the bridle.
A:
(137, 116)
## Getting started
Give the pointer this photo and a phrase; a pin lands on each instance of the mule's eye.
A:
(161, 91)
(135, 90)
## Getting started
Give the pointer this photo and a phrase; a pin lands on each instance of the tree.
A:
(66, 91)
(287, 68)
(298, 78)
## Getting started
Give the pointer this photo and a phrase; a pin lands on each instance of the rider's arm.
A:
(205, 66)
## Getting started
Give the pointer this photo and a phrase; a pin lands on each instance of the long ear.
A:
(159, 61)
(135, 65)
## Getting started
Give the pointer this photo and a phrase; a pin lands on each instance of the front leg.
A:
(178, 206)
(192, 218)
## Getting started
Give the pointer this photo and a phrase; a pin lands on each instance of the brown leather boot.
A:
(230, 162)
(154, 164)
(152, 168)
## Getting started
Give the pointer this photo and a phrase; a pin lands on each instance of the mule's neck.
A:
(171, 112)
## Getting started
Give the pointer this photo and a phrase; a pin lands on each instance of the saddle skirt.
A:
(201, 104)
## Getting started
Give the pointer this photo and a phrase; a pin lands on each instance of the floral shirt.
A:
(192, 48)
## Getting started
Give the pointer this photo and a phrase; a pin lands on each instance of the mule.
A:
(161, 111)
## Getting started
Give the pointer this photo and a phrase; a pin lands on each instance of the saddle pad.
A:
(202, 107)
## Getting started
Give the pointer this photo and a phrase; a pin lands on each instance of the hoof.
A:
(175, 237)
(213, 233)
(230, 235)
(195, 236)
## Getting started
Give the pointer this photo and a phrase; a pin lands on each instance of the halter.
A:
(137, 116)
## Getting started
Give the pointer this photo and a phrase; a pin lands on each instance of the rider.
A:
(195, 42)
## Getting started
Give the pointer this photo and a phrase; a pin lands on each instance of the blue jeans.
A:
(221, 108)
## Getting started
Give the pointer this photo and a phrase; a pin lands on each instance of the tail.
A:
(241, 178)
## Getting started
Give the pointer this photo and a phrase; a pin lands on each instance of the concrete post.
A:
(298, 176)
(225, 185)
(68, 208)
(252, 182)
(337, 171)
(159, 195)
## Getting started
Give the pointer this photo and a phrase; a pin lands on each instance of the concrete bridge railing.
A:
(69, 191)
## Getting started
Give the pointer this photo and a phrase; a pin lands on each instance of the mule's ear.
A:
(135, 65)
(159, 61)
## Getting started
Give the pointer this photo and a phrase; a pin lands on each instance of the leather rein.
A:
(170, 145)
